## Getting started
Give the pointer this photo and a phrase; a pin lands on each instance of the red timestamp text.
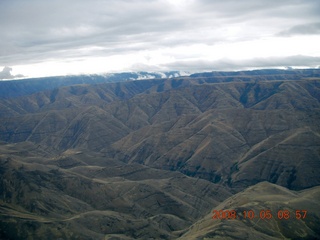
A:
(262, 214)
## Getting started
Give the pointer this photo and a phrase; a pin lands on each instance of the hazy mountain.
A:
(16, 88)
(265, 74)
(152, 158)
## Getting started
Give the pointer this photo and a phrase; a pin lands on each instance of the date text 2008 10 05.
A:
(263, 214)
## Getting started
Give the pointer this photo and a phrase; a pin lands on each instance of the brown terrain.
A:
(151, 159)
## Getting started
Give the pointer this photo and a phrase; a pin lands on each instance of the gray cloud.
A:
(6, 74)
(44, 28)
(304, 29)
(35, 30)
(229, 64)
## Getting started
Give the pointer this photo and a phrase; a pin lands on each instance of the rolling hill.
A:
(151, 158)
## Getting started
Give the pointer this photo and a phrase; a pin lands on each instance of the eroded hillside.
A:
(148, 159)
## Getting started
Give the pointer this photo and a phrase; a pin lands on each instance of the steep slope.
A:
(219, 132)
(219, 137)
(278, 214)
(147, 159)
(41, 200)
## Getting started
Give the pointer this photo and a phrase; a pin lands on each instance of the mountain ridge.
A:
(152, 158)
(229, 115)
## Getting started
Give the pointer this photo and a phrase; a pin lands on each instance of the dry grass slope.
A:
(260, 198)
(150, 159)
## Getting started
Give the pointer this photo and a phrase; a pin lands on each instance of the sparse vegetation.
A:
(152, 158)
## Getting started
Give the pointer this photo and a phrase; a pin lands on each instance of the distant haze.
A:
(45, 38)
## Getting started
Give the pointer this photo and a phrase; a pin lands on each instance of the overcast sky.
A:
(58, 37)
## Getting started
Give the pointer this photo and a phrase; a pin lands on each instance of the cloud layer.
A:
(6, 74)
(158, 34)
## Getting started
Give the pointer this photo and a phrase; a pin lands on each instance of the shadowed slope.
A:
(141, 160)
(215, 135)
(236, 134)
(260, 198)
(131, 200)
